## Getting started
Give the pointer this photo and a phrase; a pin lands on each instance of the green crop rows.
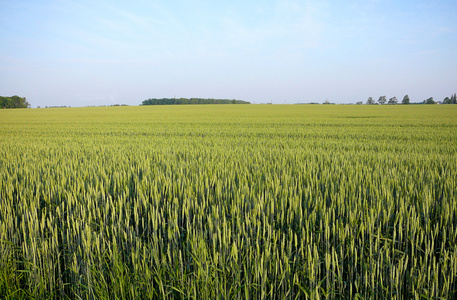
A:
(255, 201)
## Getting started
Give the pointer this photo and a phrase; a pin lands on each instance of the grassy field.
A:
(228, 201)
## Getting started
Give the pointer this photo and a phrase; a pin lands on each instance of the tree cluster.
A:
(13, 102)
(174, 101)
(383, 100)
(452, 100)
(429, 101)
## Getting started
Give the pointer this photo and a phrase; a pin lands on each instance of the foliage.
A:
(393, 100)
(405, 100)
(447, 100)
(452, 100)
(382, 100)
(370, 101)
(429, 101)
(229, 201)
(174, 101)
(13, 102)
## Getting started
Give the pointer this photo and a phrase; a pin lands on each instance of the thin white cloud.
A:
(445, 30)
(293, 24)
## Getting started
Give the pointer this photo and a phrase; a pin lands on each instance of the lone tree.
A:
(382, 100)
(13, 102)
(429, 101)
(405, 100)
(393, 100)
(370, 101)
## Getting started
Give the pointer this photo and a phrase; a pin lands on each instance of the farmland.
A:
(220, 201)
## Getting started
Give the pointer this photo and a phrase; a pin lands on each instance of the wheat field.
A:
(229, 202)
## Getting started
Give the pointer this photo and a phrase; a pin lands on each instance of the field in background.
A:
(226, 201)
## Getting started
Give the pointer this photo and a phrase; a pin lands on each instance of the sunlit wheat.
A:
(226, 202)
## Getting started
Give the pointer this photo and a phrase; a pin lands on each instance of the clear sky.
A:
(81, 52)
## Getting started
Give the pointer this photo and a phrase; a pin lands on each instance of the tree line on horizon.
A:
(392, 101)
(13, 102)
(180, 101)
(21, 102)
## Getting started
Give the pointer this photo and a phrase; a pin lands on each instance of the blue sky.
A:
(80, 53)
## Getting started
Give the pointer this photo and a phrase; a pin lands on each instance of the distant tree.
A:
(429, 101)
(405, 100)
(393, 100)
(382, 100)
(447, 100)
(370, 101)
(326, 102)
(454, 99)
(13, 102)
